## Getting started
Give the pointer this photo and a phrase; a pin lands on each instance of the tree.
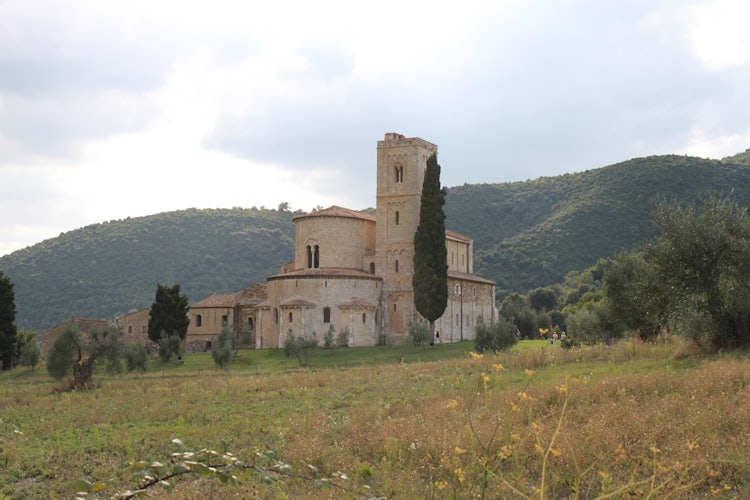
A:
(27, 349)
(496, 336)
(67, 354)
(430, 279)
(419, 332)
(136, 358)
(169, 314)
(221, 350)
(7, 322)
(702, 260)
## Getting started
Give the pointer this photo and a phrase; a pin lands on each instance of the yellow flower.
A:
(460, 474)
(460, 451)
(476, 355)
(452, 404)
(523, 396)
(485, 378)
(529, 373)
(498, 367)
(505, 452)
(441, 485)
(562, 388)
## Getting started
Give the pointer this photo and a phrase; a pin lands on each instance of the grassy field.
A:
(630, 421)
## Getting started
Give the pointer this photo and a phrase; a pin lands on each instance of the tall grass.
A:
(538, 422)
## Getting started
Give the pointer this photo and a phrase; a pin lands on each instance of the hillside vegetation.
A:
(111, 268)
(527, 235)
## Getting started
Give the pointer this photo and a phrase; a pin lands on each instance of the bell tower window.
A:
(399, 174)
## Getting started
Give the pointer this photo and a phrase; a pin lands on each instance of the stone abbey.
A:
(351, 271)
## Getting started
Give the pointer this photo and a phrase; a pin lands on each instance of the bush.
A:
(343, 337)
(328, 341)
(299, 347)
(30, 354)
(169, 345)
(419, 331)
(221, 350)
(63, 353)
(136, 358)
(497, 336)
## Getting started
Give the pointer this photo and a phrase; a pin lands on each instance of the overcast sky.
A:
(129, 108)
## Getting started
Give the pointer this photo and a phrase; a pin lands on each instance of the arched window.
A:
(397, 217)
(316, 257)
(396, 266)
(250, 323)
(275, 315)
(291, 317)
(326, 315)
(198, 320)
(399, 173)
(309, 257)
(372, 268)
(364, 318)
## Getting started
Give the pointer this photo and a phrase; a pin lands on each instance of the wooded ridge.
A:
(526, 235)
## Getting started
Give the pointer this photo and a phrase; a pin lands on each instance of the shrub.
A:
(497, 336)
(136, 358)
(221, 350)
(169, 345)
(63, 353)
(419, 331)
(343, 337)
(328, 341)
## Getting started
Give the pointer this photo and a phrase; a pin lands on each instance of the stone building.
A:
(352, 271)
(133, 329)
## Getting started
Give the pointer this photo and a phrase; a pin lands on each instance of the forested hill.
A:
(107, 269)
(527, 234)
(530, 234)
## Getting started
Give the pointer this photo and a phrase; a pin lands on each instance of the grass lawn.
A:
(630, 421)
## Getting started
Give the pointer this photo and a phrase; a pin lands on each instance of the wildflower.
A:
(452, 404)
(523, 396)
(460, 474)
(515, 407)
(460, 451)
(538, 448)
(654, 450)
(555, 452)
(485, 378)
(505, 452)
(498, 367)
(561, 388)
(441, 485)
(476, 355)
(621, 453)
(692, 446)
(529, 373)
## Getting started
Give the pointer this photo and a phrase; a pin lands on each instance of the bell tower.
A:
(400, 173)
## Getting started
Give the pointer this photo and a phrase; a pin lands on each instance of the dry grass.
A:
(630, 422)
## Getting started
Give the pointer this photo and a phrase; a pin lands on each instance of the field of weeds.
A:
(630, 421)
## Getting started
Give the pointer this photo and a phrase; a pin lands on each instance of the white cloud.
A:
(127, 108)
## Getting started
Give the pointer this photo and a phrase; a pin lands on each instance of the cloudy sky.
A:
(128, 108)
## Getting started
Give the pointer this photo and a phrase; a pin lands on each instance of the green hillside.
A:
(527, 234)
(106, 269)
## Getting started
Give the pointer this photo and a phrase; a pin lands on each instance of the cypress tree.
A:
(7, 322)
(430, 279)
(168, 313)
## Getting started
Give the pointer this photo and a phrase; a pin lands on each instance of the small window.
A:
(364, 318)
(316, 257)
(144, 329)
(372, 268)
(399, 170)
(250, 323)
(396, 267)
(397, 217)
(275, 316)
(198, 320)
(130, 328)
(326, 315)
(224, 320)
(291, 317)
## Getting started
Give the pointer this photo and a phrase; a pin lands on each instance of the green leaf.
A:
(82, 486)
(179, 444)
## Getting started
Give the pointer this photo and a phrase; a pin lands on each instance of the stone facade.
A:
(134, 330)
(352, 271)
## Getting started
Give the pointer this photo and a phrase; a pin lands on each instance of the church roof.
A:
(469, 277)
(452, 235)
(297, 302)
(356, 303)
(217, 300)
(336, 211)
